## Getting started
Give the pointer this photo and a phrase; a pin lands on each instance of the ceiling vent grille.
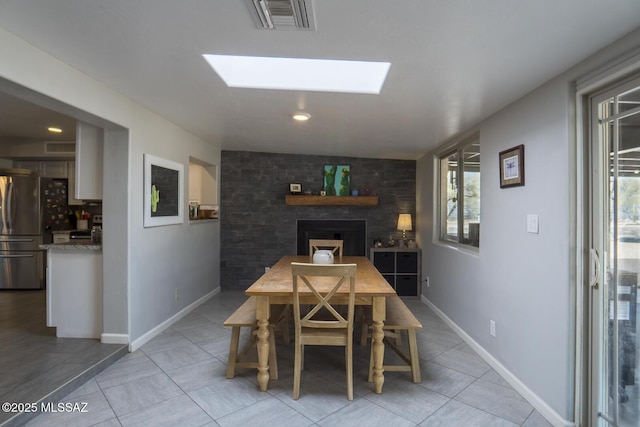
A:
(283, 14)
(60, 147)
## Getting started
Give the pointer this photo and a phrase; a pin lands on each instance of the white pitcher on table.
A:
(323, 256)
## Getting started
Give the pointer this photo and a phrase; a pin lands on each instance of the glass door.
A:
(615, 189)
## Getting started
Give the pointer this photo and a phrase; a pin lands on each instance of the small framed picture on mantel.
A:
(512, 167)
(295, 189)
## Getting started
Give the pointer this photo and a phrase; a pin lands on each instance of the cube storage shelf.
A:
(401, 267)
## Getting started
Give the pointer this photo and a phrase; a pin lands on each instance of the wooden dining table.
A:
(276, 287)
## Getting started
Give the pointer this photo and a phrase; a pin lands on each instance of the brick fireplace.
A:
(257, 227)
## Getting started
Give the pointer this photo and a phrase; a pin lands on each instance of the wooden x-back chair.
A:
(322, 324)
(334, 245)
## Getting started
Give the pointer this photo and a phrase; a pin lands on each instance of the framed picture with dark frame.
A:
(163, 191)
(512, 167)
(295, 188)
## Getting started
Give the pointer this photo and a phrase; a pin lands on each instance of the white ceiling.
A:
(454, 63)
(28, 121)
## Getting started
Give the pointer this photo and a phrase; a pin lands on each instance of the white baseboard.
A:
(114, 339)
(534, 400)
(170, 321)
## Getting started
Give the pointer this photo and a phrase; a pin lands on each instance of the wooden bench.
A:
(245, 316)
(399, 318)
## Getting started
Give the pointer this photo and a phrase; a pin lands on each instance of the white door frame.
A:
(614, 72)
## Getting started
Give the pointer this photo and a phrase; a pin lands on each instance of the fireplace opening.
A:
(353, 234)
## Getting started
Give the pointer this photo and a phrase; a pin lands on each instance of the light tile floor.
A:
(35, 365)
(178, 378)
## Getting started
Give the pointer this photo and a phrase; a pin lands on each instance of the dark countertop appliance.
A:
(80, 236)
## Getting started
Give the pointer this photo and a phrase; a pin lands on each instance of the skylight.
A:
(322, 75)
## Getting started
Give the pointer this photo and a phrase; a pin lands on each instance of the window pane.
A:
(459, 202)
(629, 100)
(471, 194)
(449, 197)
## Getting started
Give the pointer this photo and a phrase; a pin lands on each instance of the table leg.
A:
(262, 315)
(377, 336)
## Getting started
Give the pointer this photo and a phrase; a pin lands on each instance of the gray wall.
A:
(517, 279)
(524, 282)
(257, 227)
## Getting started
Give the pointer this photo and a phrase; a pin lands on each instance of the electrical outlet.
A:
(267, 269)
(492, 328)
(177, 294)
(426, 280)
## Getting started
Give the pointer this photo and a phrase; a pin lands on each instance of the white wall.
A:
(155, 260)
(522, 281)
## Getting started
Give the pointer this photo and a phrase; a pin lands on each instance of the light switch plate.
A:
(532, 224)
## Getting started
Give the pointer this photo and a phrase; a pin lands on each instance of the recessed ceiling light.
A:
(322, 75)
(301, 117)
(54, 130)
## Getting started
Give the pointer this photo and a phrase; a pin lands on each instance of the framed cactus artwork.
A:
(163, 191)
(337, 180)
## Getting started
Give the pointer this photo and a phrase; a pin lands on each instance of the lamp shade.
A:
(404, 222)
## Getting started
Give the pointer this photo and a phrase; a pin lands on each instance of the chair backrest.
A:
(323, 281)
(334, 245)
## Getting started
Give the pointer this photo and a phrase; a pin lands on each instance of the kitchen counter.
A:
(70, 246)
(74, 289)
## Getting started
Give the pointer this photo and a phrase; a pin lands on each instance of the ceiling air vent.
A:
(60, 147)
(283, 14)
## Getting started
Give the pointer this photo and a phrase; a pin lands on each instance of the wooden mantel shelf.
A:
(331, 200)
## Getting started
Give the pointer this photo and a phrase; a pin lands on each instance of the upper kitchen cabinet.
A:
(71, 188)
(89, 159)
(44, 168)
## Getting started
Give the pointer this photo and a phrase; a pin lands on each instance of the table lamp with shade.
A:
(404, 224)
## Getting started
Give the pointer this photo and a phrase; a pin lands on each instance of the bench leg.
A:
(412, 360)
(233, 351)
(273, 362)
(413, 354)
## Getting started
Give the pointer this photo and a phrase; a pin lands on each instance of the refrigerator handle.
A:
(3, 204)
(9, 206)
(17, 240)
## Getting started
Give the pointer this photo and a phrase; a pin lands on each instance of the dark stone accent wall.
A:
(258, 228)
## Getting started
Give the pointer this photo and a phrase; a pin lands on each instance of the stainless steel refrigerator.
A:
(21, 259)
